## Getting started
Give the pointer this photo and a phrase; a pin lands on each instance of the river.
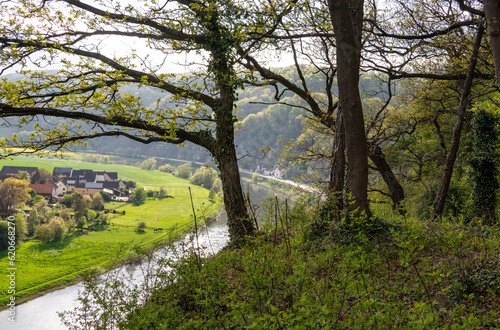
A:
(41, 313)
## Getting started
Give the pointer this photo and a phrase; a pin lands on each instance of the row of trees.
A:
(418, 39)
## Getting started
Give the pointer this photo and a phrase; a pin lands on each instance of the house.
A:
(90, 188)
(83, 175)
(12, 171)
(43, 189)
(62, 171)
(279, 173)
(268, 171)
(60, 188)
(106, 176)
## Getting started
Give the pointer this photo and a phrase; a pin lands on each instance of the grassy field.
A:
(41, 266)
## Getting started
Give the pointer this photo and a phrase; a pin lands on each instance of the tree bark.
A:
(337, 172)
(238, 220)
(347, 20)
(224, 151)
(444, 185)
(492, 13)
(396, 189)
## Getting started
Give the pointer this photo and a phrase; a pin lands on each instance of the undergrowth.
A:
(301, 273)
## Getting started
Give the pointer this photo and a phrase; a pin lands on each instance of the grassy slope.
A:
(399, 273)
(41, 266)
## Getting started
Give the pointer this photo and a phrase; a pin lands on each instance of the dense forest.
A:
(389, 109)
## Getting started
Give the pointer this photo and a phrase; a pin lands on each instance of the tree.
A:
(6, 228)
(86, 91)
(148, 164)
(105, 196)
(492, 13)
(65, 215)
(13, 194)
(4, 231)
(347, 22)
(21, 228)
(212, 195)
(140, 194)
(23, 175)
(33, 221)
(37, 199)
(141, 225)
(44, 212)
(484, 164)
(79, 205)
(91, 215)
(97, 202)
(57, 227)
(184, 171)
(457, 129)
(80, 222)
(167, 168)
(44, 233)
(41, 175)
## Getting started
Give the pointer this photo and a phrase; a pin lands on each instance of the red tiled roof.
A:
(42, 189)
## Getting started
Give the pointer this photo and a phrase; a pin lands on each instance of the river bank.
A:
(43, 309)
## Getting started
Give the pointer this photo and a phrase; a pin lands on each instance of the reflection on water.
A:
(41, 313)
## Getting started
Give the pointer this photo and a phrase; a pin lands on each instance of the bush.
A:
(167, 168)
(57, 227)
(36, 199)
(184, 171)
(148, 164)
(204, 176)
(44, 233)
(141, 226)
(91, 215)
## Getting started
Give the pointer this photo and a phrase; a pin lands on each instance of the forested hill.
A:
(265, 122)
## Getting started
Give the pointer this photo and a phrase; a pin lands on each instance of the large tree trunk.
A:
(337, 172)
(347, 20)
(224, 151)
(397, 191)
(444, 185)
(238, 220)
(492, 12)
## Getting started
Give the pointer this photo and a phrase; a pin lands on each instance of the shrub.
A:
(183, 171)
(167, 168)
(148, 164)
(44, 233)
(57, 227)
(141, 226)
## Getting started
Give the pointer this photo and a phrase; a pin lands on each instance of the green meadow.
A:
(42, 266)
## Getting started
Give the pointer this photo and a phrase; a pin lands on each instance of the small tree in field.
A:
(148, 164)
(58, 228)
(184, 171)
(141, 226)
(140, 194)
(97, 202)
(44, 233)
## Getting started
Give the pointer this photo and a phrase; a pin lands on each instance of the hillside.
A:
(300, 272)
(56, 263)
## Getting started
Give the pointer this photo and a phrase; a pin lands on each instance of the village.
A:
(66, 180)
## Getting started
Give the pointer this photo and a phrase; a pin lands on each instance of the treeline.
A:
(204, 176)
